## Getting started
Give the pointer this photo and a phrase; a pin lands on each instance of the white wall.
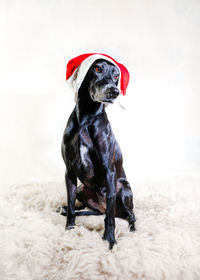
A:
(158, 41)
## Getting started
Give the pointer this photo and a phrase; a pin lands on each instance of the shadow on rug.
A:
(166, 244)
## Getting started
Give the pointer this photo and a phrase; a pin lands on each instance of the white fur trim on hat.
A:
(79, 74)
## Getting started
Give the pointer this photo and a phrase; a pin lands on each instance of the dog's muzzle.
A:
(113, 92)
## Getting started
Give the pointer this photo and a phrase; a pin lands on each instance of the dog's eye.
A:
(116, 77)
(98, 69)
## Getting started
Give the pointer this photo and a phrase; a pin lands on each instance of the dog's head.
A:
(97, 76)
(102, 79)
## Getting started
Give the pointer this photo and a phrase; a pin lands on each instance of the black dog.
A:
(92, 154)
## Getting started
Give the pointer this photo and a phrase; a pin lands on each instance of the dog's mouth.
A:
(108, 101)
(105, 94)
(104, 100)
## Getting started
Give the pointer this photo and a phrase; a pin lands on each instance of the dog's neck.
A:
(86, 109)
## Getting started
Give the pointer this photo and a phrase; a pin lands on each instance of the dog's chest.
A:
(87, 164)
(86, 150)
(95, 152)
(84, 156)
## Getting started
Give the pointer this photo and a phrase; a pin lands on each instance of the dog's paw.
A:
(111, 240)
(68, 227)
(62, 210)
(132, 227)
(111, 244)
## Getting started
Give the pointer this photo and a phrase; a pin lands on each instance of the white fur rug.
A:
(166, 244)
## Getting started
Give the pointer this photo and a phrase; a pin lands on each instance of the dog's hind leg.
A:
(86, 197)
(63, 209)
(89, 198)
(124, 202)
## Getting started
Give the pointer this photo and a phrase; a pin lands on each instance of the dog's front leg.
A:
(109, 233)
(71, 184)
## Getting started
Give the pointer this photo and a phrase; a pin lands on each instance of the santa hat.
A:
(78, 67)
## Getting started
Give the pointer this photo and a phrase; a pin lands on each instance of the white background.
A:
(159, 43)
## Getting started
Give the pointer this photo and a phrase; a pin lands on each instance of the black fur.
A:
(92, 154)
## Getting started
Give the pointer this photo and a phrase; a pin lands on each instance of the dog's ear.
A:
(83, 92)
(84, 88)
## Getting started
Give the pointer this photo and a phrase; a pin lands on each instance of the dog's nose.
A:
(113, 92)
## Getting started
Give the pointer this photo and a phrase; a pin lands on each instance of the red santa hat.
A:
(77, 69)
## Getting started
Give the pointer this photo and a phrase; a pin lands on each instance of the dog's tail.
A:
(63, 211)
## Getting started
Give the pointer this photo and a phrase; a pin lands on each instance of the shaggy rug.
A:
(166, 245)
